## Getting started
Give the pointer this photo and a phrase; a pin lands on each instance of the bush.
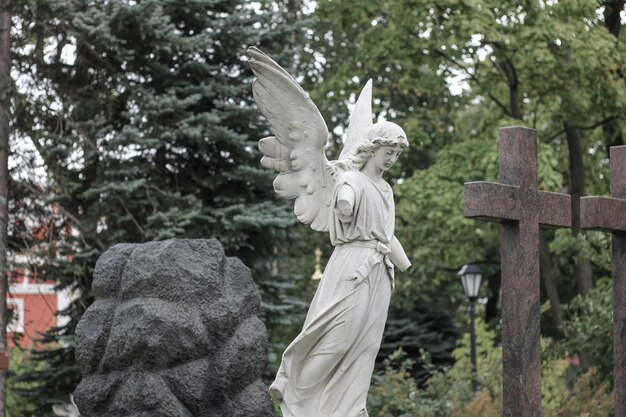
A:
(589, 330)
(447, 393)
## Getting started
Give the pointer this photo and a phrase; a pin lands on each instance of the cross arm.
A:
(491, 201)
(603, 213)
(555, 209)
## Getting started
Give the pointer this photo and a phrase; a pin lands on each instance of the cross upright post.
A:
(520, 208)
(609, 214)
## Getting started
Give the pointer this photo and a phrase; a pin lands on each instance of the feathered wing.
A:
(297, 149)
(360, 122)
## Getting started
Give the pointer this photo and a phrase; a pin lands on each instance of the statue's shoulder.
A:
(351, 177)
(355, 179)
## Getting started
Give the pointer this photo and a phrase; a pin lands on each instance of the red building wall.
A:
(34, 301)
(34, 304)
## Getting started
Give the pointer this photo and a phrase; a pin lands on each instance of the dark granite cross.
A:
(606, 213)
(520, 207)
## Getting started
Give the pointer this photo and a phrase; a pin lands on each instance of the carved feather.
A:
(272, 148)
(296, 150)
(360, 121)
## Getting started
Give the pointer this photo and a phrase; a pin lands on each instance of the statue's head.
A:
(386, 134)
(378, 135)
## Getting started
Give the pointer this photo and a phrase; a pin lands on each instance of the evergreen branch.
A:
(155, 206)
(70, 216)
(91, 142)
(143, 233)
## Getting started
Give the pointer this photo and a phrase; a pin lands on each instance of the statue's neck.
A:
(372, 172)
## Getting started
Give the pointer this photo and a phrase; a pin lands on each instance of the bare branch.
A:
(476, 80)
(586, 127)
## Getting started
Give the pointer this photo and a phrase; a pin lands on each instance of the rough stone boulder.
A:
(173, 332)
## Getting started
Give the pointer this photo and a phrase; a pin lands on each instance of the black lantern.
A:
(471, 274)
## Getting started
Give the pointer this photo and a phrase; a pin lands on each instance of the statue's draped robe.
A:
(347, 316)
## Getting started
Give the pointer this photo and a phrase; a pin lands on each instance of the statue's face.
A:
(384, 157)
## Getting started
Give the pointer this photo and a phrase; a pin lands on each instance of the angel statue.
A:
(326, 371)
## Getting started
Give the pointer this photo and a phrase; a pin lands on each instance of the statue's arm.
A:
(346, 199)
(398, 256)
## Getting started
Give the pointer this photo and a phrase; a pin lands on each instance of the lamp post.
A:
(471, 275)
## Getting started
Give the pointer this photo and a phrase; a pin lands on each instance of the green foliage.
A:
(295, 259)
(593, 398)
(422, 330)
(16, 406)
(447, 393)
(439, 240)
(589, 329)
(394, 392)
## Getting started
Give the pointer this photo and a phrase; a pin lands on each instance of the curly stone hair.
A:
(380, 134)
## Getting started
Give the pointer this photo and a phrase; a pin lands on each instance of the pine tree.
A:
(142, 113)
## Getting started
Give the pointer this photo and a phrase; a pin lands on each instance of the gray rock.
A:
(173, 332)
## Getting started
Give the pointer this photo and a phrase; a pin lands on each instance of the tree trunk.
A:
(5, 85)
(491, 309)
(550, 283)
(612, 19)
(613, 134)
(577, 190)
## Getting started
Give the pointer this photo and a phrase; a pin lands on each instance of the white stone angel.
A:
(326, 370)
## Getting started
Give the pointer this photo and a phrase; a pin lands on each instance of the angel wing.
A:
(297, 149)
(360, 122)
